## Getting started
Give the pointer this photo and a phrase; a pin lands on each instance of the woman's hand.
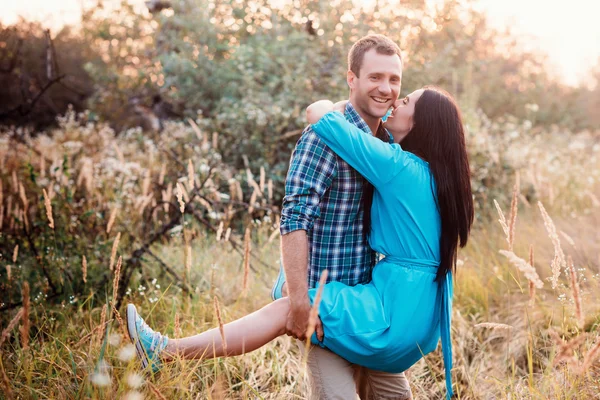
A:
(316, 110)
(340, 106)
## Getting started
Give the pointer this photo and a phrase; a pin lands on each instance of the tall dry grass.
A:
(506, 345)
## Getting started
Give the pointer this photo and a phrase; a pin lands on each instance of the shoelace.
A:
(157, 337)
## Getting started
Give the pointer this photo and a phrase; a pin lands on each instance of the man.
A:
(322, 222)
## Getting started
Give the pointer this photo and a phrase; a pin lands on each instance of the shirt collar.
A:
(354, 117)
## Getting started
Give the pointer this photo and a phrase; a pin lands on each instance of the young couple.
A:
(382, 206)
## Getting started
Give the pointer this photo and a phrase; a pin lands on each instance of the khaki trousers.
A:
(333, 378)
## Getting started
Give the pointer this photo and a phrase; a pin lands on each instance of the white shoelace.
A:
(157, 337)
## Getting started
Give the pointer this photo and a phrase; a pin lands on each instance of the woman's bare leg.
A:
(241, 336)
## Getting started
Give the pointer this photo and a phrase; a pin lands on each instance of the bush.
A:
(98, 187)
(42, 75)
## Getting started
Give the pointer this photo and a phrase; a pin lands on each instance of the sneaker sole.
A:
(276, 291)
(133, 336)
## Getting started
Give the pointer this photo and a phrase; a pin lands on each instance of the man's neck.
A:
(372, 123)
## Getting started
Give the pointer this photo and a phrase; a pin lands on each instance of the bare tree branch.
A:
(183, 285)
(23, 109)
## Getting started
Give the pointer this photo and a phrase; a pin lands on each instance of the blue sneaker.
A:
(148, 343)
(276, 291)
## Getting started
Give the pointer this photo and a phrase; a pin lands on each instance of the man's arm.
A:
(294, 253)
(312, 169)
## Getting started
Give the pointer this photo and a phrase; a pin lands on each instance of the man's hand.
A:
(297, 322)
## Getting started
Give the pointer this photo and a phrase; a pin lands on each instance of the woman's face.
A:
(400, 122)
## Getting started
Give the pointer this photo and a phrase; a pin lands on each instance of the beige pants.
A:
(333, 378)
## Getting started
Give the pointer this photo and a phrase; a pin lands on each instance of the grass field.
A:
(510, 341)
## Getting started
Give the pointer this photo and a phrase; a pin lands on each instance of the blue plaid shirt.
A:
(323, 196)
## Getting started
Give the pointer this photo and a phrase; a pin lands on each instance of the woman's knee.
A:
(282, 305)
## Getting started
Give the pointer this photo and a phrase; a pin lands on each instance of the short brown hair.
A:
(381, 43)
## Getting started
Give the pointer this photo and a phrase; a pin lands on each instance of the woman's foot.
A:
(148, 343)
(279, 290)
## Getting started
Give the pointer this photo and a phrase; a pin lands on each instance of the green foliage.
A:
(247, 70)
(90, 175)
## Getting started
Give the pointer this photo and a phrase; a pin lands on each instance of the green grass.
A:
(69, 358)
(515, 363)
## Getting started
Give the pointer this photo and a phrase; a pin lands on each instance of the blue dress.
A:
(391, 322)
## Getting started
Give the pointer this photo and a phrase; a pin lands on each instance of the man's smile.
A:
(380, 100)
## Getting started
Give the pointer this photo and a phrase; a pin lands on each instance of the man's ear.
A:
(350, 77)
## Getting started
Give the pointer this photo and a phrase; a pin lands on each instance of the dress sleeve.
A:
(377, 161)
(312, 169)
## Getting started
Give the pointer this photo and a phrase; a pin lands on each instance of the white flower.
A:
(100, 379)
(204, 168)
(532, 107)
(114, 339)
(126, 353)
(133, 395)
(134, 380)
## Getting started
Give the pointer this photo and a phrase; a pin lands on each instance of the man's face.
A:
(376, 88)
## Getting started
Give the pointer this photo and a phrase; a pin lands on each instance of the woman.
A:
(422, 211)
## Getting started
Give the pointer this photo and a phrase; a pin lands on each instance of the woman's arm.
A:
(377, 161)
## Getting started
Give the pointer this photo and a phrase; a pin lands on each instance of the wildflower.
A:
(190, 168)
(48, 206)
(114, 339)
(314, 311)
(221, 328)
(220, 231)
(559, 257)
(262, 179)
(247, 239)
(513, 214)
(100, 379)
(134, 380)
(179, 194)
(111, 219)
(84, 269)
(102, 323)
(113, 253)
(126, 353)
(575, 290)
(494, 325)
(531, 284)
(502, 219)
(24, 329)
(523, 266)
(133, 395)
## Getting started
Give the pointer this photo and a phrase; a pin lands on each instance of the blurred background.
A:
(179, 58)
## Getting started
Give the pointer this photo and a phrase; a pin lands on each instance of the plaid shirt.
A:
(323, 196)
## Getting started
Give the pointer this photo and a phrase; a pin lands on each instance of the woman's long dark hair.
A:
(438, 137)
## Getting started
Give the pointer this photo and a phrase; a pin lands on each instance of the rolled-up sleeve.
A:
(312, 169)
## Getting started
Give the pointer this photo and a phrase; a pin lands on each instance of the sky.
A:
(567, 31)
